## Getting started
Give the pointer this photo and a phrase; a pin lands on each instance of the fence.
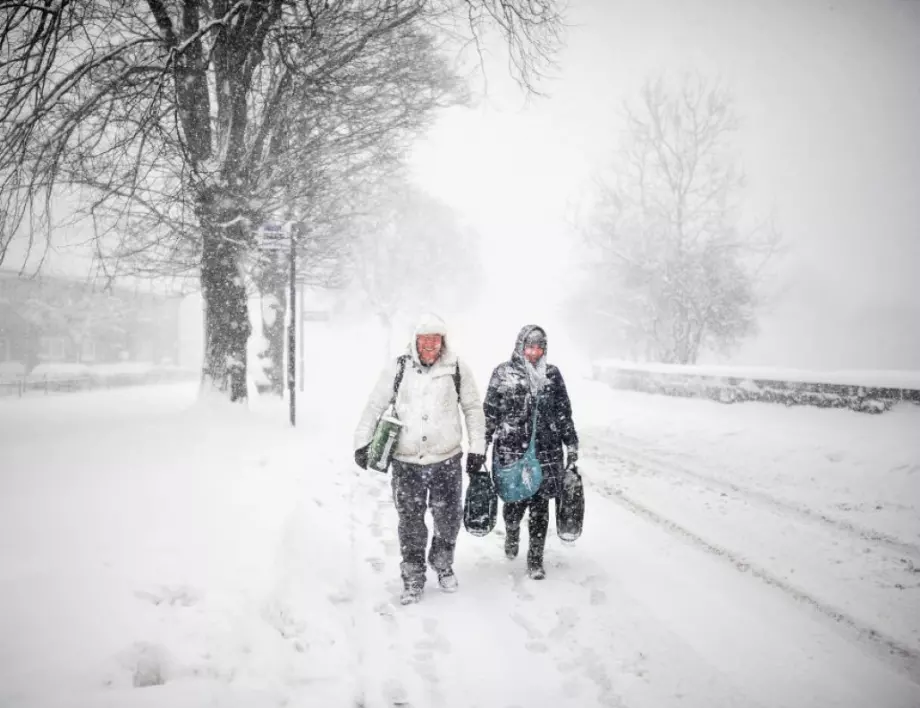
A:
(46, 383)
(864, 391)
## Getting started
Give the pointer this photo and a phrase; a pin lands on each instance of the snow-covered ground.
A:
(161, 552)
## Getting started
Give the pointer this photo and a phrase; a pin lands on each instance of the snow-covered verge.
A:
(823, 503)
(159, 551)
(68, 378)
(865, 391)
(153, 543)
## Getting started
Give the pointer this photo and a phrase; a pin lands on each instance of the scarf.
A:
(536, 374)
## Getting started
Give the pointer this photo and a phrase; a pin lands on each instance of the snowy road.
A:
(187, 557)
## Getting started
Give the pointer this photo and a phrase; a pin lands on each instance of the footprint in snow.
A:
(395, 694)
(517, 583)
(594, 585)
(435, 640)
(150, 664)
(181, 595)
(536, 647)
(567, 619)
(377, 564)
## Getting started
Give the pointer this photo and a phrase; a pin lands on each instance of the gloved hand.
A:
(474, 462)
(361, 457)
(571, 457)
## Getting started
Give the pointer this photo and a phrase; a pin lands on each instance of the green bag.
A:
(388, 428)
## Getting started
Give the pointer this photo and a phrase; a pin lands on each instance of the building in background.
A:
(51, 320)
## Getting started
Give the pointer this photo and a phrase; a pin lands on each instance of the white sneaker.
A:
(448, 581)
(410, 595)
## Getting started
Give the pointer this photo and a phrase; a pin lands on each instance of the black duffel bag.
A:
(570, 507)
(480, 506)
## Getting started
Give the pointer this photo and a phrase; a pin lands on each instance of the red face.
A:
(533, 353)
(429, 347)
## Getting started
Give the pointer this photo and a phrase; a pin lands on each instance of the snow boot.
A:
(535, 565)
(512, 543)
(411, 594)
(447, 580)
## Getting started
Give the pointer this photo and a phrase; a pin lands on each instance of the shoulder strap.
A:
(456, 376)
(536, 409)
(400, 371)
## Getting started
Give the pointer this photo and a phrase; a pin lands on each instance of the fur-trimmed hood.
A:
(432, 324)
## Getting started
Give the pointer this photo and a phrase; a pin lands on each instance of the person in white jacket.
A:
(435, 390)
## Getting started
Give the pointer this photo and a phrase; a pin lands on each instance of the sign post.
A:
(292, 327)
(272, 235)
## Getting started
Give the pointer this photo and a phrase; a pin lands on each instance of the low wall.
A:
(864, 391)
(29, 384)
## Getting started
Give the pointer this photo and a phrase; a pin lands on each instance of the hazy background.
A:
(829, 97)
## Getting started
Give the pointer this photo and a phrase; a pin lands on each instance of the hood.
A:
(431, 324)
(518, 354)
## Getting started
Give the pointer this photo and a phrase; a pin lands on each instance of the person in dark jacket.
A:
(515, 388)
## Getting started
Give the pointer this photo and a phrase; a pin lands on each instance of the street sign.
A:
(271, 237)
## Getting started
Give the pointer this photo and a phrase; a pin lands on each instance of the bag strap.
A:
(536, 409)
(400, 371)
(456, 376)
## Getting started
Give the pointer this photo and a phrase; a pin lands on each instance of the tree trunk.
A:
(227, 326)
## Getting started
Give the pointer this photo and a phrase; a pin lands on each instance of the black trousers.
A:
(415, 489)
(538, 523)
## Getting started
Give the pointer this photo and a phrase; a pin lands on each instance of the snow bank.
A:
(867, 378)
(60, 371)
(866, 391)
(162, 553)
(844, 464)
(11, 369)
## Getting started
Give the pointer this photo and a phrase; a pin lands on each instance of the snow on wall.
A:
(867, 391)
(860, 377)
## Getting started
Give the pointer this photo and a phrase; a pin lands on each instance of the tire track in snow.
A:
(902, 657)
(655, 463)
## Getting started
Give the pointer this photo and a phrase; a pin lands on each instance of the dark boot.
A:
(538, 523)
(535, 563)
(513, 513)
(512, 543)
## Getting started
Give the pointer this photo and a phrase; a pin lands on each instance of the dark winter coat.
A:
(508, 410)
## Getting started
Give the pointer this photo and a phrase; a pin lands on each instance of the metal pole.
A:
(292, 329)
(300, 328)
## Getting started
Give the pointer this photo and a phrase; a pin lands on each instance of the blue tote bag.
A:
(520, 480)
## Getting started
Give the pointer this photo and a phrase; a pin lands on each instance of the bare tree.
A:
(412, 251)
(181, 124)
(673, 271)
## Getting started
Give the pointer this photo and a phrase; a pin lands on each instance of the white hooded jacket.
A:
(427, 405)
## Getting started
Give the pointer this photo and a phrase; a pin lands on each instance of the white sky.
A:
(829, 96)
